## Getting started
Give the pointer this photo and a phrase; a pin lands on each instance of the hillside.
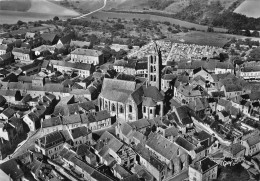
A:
(36, 6)
(15, 5)
(250, 8)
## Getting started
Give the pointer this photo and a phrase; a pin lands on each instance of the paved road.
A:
(84, 15)
(28, 144)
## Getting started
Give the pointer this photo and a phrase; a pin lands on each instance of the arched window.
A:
(151, 77)
(155, 59)
(130, 108)
(154, 78)
(113, 107)
(121, 109)
(100, 102)
(106, 105)
(151, 68)
(151, 59)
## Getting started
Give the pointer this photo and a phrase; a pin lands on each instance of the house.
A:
(120, 172)
(232, 90)
(11, 170)
(65, 40)
(168, 152)
(203, 73)
(32, 120)
(81, 135)
(223, 104)
(11, 95)
(223, 116)
(8, 133)
(30, 35)
(251, 73)
(88, 56)
(188, 93)
(23, 55)
(3, 49)
(4, 149)
(50, 145)
(154, 166)
(204, 169)
(167, 82)
(252, 144)
(82, 69)
(132, 67)
(32, 43)
(182, 118)
(7, 114)
(102, 119)
(30, 69)
(51, 125)
(84, 153)
(41, 50)
(223, 68)
(107, 148)
(235, 151)
(3, 73)
(6, 59)
(79, 44)
(49, 38)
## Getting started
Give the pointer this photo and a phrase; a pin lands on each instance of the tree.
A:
(210, 29)
(19, 23)
(254, 55)
(247, 33)
(56, 18)
(255, 33)
(121, 54)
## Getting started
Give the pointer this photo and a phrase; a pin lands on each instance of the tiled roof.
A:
(48, 36)
(9, 112)
(253, 140)
(87, 52)
(21, 50)
(140, 124)
(51, 139)
(11, 168)
(184, 144)
(126, 129)
(205, 164)
(153, 93)
(162, 146)
(72, 119)
(149, 102)
(117, 90)
(54, 121)
(79, 43)
(79, 132)
(102, 115)
(77, 65)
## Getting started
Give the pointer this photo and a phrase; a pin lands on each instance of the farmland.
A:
(14, 5)
(46, 7)
(250, 8)
(32, 10)
(130, 16)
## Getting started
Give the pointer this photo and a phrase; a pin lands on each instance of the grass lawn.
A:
(234, 173)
